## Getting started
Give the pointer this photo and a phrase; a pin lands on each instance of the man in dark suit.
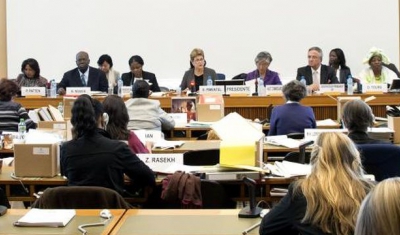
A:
(83, 76)
(316, 73)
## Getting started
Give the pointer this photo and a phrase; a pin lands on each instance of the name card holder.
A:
(126, 91)
(33, 92)
(375, 88)
(238, 90)
(76, 91)
(162, 162)
(331, 88)
(273, 90)
(211, 90)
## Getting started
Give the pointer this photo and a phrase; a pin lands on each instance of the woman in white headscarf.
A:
(376, 73)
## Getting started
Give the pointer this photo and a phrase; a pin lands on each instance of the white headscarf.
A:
(376, 52)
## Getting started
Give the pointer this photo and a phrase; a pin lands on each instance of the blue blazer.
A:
(328, 75)
(97, 80)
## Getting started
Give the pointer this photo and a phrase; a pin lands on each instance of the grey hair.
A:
(264, 55)
(318, 50)
(294, 91)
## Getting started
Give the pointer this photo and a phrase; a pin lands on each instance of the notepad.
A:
(165, 144)
(46, 218)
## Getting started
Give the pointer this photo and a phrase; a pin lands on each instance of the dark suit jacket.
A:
(128, 78)
(97, 80)
(344, 74)
(328, 75)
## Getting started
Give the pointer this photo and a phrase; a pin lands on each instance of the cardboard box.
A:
(210, 108)
(68, 103)
(36, 160)
(394, 124)
(242, 141)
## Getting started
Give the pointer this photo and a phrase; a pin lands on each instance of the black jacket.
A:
(97, 80)
(97, 160)
(128, 78)
(328, 75)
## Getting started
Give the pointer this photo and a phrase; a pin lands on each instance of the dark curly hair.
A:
(118, 116)
(294, 91)
(8, 89)
(85, 113)
(140, 89)
(105, 58)
(34, 66)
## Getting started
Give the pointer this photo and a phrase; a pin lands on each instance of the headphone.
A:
(106, 118)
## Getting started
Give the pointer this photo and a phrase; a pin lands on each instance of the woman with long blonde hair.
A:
(327, 200)
(380, 210)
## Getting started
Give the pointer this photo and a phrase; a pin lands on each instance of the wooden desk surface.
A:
(82, 217)
(186, 222)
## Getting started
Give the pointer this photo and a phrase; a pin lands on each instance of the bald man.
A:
(83, 76)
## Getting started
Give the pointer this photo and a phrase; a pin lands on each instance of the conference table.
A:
(81, 217)
(251, 107)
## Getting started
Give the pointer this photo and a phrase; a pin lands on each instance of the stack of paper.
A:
(282, 140)
(288, 169)
(165, 144)
(46, 218)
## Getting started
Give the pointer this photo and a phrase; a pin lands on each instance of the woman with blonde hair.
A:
(327, 200)
(380, 210)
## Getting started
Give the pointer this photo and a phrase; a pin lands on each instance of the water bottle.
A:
(53, 89)
(303, 80)
(21, 129)
(261, 87)
(120, 84)
(349, 85)
(61, 108)
(209, 81)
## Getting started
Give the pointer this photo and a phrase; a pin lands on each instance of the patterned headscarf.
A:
(376, 52)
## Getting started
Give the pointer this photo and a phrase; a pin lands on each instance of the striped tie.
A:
(83, 79)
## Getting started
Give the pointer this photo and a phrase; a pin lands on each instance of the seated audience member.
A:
(30, 76)
(136, 65)
(117, 124)
(146, 113)
(263, 60)
(10, 111)
(357, 117)
(292, 117)
(337, 61)
(328, 199)
(380, 210)
(376, 72)
(105, 64)
(198, 74)
(83, 76)
(316, 73)
(92, 158)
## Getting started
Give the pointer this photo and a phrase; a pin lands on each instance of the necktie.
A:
(83, 79)
(316, 78)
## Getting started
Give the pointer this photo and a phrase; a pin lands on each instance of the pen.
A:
(246, 231)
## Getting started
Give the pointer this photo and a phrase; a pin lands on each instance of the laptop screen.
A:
(395, 84)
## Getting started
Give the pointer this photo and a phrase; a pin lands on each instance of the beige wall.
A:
(3, 39)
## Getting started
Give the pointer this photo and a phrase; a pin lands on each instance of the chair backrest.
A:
(381, 160)
(205, 157)
(220, 76)
(164, 89)
(3, 199)
(214, 196)
(297, 136)
(80, 197)
(393, 68)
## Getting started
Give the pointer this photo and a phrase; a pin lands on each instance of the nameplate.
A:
(238, 89)
(38, 91)
(179, 118)
(375, 88)
(126, 90)
(148, 135)
(336, 88)
(273, 89)
(41, 151)
(161, 162)
(312, 134)
(211, 90)
(78, 90)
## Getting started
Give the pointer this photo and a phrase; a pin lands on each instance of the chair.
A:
(80, 197)
(381, 160)
(300, 157)
(164, 89)
(220, 76)
(393, 68)
(214, 196)
(201, 157)
(297, 136)
(240, 76)
(3, 199)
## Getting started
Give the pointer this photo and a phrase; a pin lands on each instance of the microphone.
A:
(256, 84)
(252, 210)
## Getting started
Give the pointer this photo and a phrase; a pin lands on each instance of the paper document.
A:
(288, 169)
(46, 218)
(282, 140)
(327, 122)
(165, 144)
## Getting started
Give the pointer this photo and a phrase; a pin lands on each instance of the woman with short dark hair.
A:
(292, 117)
(10, 111)
(30, 76)
(92, 158)
(137, 73)
(105, 64)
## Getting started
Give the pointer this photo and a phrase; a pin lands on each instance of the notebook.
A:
(46, 218)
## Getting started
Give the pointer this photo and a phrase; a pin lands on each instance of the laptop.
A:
(395, 86)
